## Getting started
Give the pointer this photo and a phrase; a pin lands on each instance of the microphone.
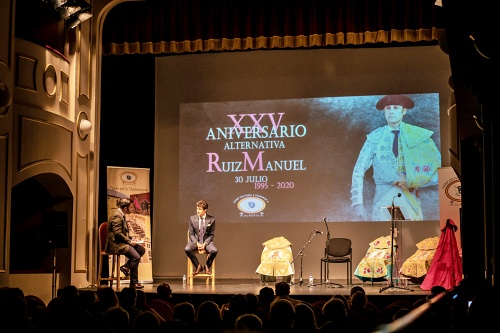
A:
(327, 230)
(319, 232)
(394, 197)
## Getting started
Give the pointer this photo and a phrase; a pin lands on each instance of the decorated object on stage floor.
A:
(416, 267)
(376, 264)
(446, 267)
(276, 260)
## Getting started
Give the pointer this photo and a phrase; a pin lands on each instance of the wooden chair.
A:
(103, 255)
(189, 274)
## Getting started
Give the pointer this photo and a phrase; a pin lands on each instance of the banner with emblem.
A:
(450, 200)
(134, 184)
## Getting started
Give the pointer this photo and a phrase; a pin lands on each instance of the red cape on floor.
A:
(446, 266)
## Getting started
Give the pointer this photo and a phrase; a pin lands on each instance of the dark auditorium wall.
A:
(126, 118)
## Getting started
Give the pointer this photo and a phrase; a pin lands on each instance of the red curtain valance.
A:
(179, 26)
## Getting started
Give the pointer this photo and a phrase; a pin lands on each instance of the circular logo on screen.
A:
(128, 177)
(251, 205)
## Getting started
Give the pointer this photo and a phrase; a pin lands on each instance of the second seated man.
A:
(201, 237)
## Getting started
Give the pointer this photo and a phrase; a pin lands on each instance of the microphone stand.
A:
(327, 271)
(301, 254)
(54, 270)
(393, 226)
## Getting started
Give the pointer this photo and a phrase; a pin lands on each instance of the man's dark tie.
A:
(202, 230)
(395, 149)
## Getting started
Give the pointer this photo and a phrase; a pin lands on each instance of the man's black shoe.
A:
(125, 270)
(137, 286)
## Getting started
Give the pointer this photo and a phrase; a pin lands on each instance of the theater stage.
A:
(225, 288)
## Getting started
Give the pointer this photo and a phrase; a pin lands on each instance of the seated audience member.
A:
(282, 291)
(266, 297)
(281, 317)
(343, 299)
(146, 322)
(67, 314)
(118, 319)
(36, 310)
(401, 313)
(359, 306)
(436, 290)
(185, 311)
(106, 299)
(164, 292)
(209, 318)
(175, 326)
(305, 319)
(387, 314)
(369, 305)
(13, 311)
(143, 305)
(248, 323)
(237, 306)
(253, 302)
(141, 302)
(334, 316)
(128, 301)
(419, 302)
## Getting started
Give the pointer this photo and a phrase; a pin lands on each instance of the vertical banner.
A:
(450, 200)
(133, 184)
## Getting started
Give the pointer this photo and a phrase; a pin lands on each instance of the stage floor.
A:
(225, 288)
(232, 286)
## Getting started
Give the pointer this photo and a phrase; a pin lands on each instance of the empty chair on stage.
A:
(276, 260)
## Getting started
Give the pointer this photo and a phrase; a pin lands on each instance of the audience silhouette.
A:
(305, 319)
(248, 323)
(175, 326)
(281, 317)
(128, 300)
(106, 299)
(209, 318)
(271, 311)
(266, 297)
(118, 319)
(14, 310)
(237, 306)
(185, 311)
(282, 291)
(146, 322)
(334, 316)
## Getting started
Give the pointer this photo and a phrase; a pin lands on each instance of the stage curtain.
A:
(186, 26)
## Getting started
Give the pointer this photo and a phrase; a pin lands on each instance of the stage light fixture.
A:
(72, 11)
(75, 20)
